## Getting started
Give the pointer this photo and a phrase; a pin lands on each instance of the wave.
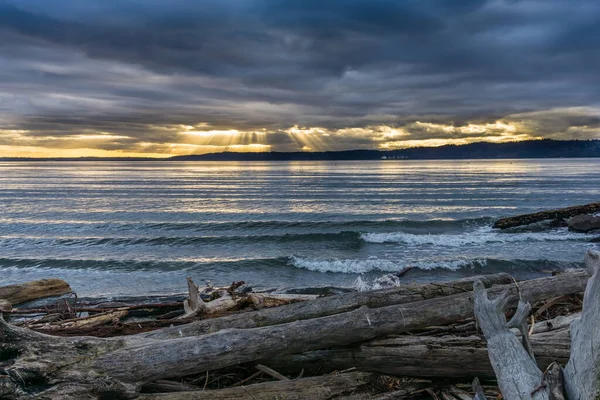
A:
(347, 237)
(237, 267)
(481, 236)
(345, 225)
(346, 266)
(278, 224)
(358, 266)
(141, 265)
(352, 239)
(480, 265)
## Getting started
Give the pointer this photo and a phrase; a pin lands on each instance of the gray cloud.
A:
(144, 70)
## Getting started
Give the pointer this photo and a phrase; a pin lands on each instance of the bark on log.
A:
(325, 306)
(561, 213)
(76, 367)
(421, 356)
(316, 388)
(24, 292)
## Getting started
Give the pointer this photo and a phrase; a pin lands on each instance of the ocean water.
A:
(127, 228)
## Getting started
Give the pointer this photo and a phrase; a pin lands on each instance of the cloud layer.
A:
(176, 77)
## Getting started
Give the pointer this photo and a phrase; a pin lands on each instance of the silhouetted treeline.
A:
(482, 150)
(527, 149)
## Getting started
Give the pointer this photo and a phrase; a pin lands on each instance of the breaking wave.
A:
(357, 266)
(481, 236)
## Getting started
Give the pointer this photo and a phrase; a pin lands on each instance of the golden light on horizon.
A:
(43, 152)
(308, 138)
(201, 138)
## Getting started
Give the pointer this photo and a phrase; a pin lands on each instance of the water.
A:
(118, 228)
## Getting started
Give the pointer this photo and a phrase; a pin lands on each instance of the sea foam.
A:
(480, 236)
(358, 266)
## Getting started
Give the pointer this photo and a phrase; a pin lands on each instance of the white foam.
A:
(356, 266)
(480, 236)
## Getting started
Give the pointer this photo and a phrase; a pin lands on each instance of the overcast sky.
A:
(164, 77)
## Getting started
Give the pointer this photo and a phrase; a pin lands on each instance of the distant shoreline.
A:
(532, 149)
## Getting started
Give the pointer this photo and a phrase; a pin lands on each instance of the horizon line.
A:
(242, 153)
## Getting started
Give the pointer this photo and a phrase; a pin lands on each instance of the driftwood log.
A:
(76, 367)
(423, 356)
(341, 303)
(558, 214)
(514, 365)
(21, 293)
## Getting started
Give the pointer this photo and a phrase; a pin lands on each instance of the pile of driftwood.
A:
(407, 342)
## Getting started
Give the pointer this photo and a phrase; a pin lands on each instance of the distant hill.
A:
(482, 150)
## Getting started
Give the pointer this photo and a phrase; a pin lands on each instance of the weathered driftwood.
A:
(81, 323)
(194, 305)
(5, 305)
(226, 299)
(338, 304)
(558, 214)
(518, 376)
(582, 373)
(24, 292)
(76, 367)
(515, 368)
(315, 388)
(421, 356)
(138, 310)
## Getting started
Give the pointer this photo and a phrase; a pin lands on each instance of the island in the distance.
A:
(546, 148)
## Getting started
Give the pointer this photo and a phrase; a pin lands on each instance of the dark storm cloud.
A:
(141, 69)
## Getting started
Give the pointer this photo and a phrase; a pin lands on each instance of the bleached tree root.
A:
(518, 376)
(517, 373)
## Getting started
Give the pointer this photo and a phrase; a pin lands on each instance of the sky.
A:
(168, 77)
